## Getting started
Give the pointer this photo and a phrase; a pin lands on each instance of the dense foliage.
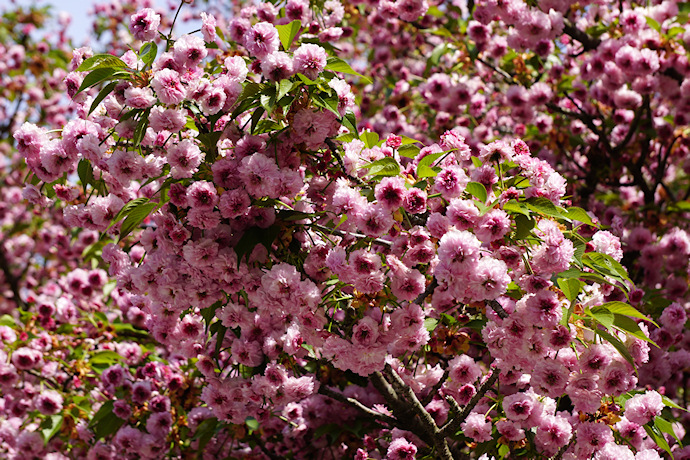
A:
(346, 229)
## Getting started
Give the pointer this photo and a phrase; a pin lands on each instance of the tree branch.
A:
(454, 424)
(379, 417)
(588, 42)
(11, 279)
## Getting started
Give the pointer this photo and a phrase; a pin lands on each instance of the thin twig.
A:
(378, 416)
(334, 150)
(454, 424)
(11, 279)
(427, 292)
(352, 234)
(498, 308)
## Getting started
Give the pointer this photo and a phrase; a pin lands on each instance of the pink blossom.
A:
(401, 449)
(310, 60)
(189, 51)
(277, 66)
(144, 24)
(168, 86)
(642, 408)
(261, 39)
(165, 119)
(184, 158)
(208, 27)
(477, 427)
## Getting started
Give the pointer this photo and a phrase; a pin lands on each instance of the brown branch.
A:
(334, 150)
(562, 450)
(427, 421)
(342, 233)
(588, 42)
(379, 417)
(11, 279)
(434, 390)
(454, 423)
(498, 308)
(427, 292)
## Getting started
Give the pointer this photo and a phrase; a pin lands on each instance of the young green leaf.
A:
(544, 206)
(148, 53)
(570, 286)
(622, 308)
(370, 139)
(135, 217)
(477, 190)
(338, 65)
(384, 167)
(578, 214)
(288, 32)
(107, 89)
(101, 61)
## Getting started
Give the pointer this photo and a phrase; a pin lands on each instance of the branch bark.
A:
(11, 279)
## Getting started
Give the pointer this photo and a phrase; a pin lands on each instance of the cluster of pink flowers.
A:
(426, 282)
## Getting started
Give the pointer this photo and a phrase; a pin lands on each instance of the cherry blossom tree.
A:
(354, 229)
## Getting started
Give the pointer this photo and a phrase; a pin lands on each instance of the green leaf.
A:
(669, 403)
(50, 426)
(580, 248)
(666, 427)
(288, 32)
(140, 129)
(105, 357)
(284, 87)
(673, 31)
(107, 89)
(127, 208)
(254, 236)
(105, 422)
(101, 61)
(250, 90)
(205, 431)
(579, 214)
(655, 433)
(350, 122)
(96, 76)
(135, 217)
(622, 308)
(544, 206)
(425, 171)
(651, 22)
(386, 166)
(347, 137)
(617, 344)
(515, 207)
(306, 80)
(430, 324)
(436, 54)
(338, 65)
(409, 151)
(605, 264)
(148, 53)
(604, 317)
(408, 140)
(209, 312)
(252, 423)
(570, 287)
(370, 139)
(477, 190)
(523, 227)
(429, 160)
(7, 320)
(628, 325)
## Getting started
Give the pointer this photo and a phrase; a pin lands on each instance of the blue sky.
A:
(77, 9)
